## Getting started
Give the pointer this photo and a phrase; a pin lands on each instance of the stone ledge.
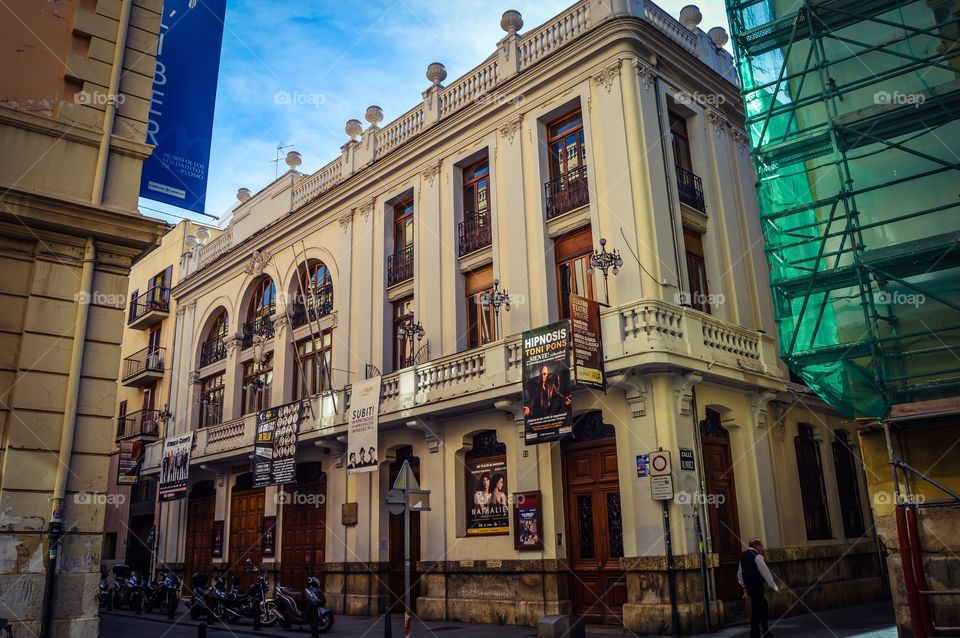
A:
(659, 563)
(503, 566)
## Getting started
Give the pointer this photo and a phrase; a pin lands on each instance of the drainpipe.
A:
(67, 431)
(109, 114)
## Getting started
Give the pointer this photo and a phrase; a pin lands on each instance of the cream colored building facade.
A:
(74, 97)
(614, 121)
(143, 385)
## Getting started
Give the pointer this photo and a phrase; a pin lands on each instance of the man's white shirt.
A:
(762, 568)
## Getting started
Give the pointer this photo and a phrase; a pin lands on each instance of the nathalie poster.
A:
(587, 342)
(487, 503)
(275, 445)
(362, 426)
(547, 404)
(174, 467)
(128, 463)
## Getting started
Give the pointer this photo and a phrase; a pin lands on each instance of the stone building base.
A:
(357, 588)
(648, 611)
(500, 592)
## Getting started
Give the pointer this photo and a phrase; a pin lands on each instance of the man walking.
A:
(753, 574)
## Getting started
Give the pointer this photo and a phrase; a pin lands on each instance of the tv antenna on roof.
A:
(276, 160)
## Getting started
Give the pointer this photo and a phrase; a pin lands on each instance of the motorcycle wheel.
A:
(324, 622)
(269, 615)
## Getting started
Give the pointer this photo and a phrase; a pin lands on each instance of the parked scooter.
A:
(133, 592)
(103, 597)
(168, 593)
(199, 596)
(118, 592)
(303, 607)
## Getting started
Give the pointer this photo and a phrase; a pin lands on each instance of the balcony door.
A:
(572, 253)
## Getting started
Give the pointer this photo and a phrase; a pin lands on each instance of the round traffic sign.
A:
(660, 463)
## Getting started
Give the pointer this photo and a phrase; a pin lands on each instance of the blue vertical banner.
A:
(180, 123)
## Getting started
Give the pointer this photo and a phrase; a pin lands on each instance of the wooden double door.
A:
(598, 585)
(201, 508)
(303, 539)
(721, 504)
(246, 522)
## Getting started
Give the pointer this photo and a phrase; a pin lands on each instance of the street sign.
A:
(396, 501)
(418, 500)
(643, 465)
(406, 479)
(661, 487)
(660, 463)
(686, 459)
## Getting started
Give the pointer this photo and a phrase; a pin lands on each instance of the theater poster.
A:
(528, 528)
(362, 426)
(547, 400)
(488, 511)
(128, 463)
(587, 343)
(275, 447)
(175, 466)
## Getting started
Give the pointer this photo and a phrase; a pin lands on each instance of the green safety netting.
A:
(852, 113)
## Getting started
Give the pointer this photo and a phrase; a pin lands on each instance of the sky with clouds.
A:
(295, 72)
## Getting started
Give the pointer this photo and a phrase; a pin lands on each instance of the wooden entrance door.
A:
(197, 553)
(594, 530)
(246, 520)
(722, 503)
(395, 577)
(304, 529)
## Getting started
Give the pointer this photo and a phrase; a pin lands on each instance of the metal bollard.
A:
(388, 622)
(171, 605)
(202, 630)
(256, 619)
(314, 624)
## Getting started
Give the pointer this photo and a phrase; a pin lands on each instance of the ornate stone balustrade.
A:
(209, 253)
(540, 43)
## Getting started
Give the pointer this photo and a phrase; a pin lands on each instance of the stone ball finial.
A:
(511, 22)
(203, 234)
(719, 37)
(353, 129)
(374, 115)
(690, 16)
(243, 194)
(294, 159)
(436, 73)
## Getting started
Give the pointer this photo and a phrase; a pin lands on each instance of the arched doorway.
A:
(396, 576)
(304, 527)
(722, 508)
(201, 508)
(246, 520)
(598, 586)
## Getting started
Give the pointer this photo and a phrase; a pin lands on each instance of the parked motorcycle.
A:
(200, 596)
(255, 601)
(168, 593)
(118, 592)
(303, 607)
(103, 596)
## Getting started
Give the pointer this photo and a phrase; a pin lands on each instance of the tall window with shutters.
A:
(481, 321)
(572, 253)
(812, 492)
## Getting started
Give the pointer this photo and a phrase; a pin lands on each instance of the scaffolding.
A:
(852, 116)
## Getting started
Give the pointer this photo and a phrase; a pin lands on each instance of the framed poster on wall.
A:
(216, 545)
(527, 523)
(269, 536)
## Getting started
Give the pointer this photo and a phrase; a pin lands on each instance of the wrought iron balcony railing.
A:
(150, 359)
(691, 189)
(213, 350)
(400, 266)
(262, 326)
(567, 192)
(317, 304)
(474, 233)
(155, 299)
(142, 423)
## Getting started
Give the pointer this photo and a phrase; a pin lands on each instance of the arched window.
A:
(845, 464)
(314, 295)
(214, 348)
(263, 304)
(812, 491)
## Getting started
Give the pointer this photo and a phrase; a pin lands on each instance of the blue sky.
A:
(333, 59)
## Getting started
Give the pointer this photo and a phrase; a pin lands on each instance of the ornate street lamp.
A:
(496, 298)
(407, 331)
(604, 261)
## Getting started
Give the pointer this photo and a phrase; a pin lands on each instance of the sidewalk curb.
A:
(216, 626)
